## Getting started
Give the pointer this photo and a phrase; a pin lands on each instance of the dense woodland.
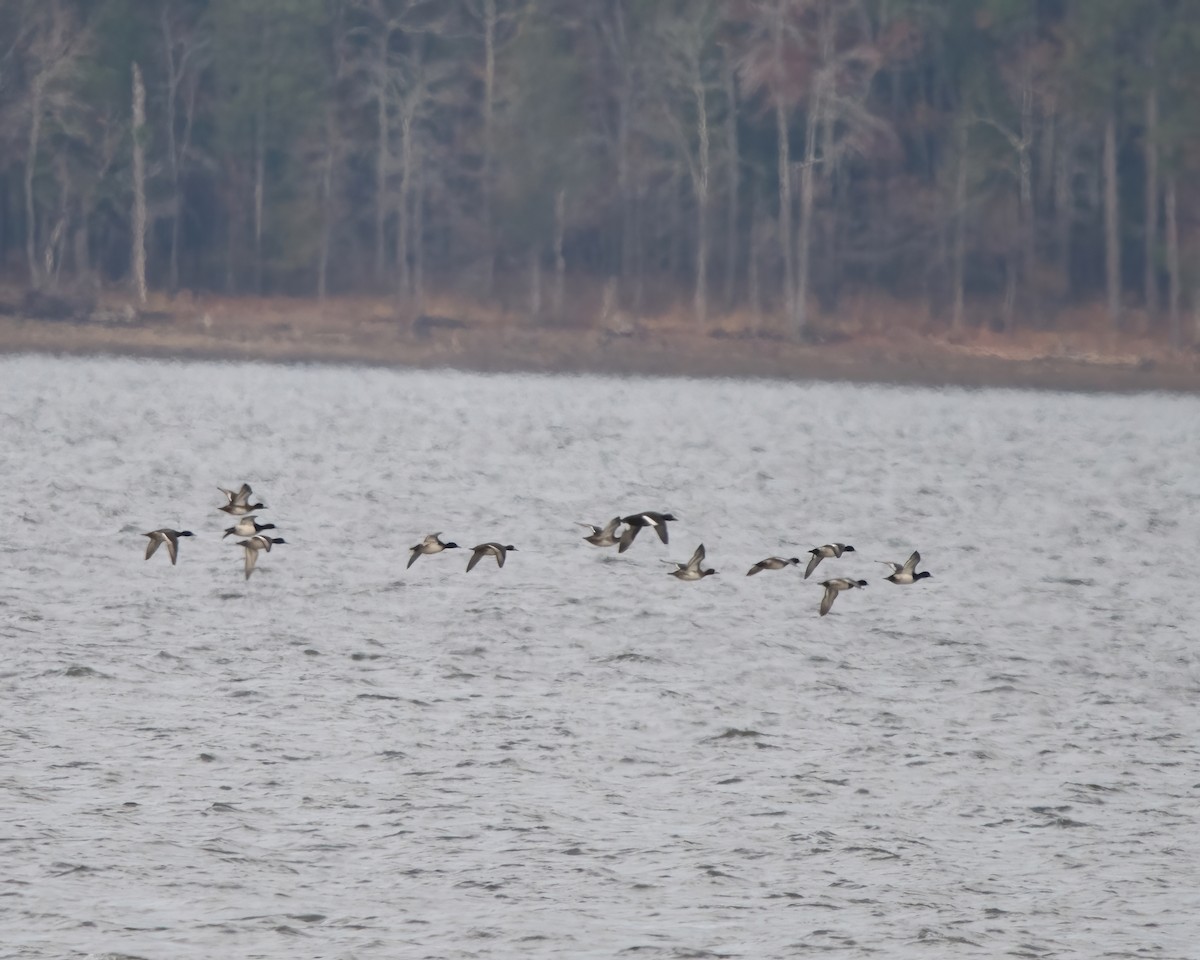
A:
(994, 161)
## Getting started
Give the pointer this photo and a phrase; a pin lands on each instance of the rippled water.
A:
(578, 755)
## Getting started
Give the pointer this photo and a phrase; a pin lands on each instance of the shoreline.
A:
(979, 359)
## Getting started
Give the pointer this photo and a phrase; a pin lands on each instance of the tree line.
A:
(996, 161)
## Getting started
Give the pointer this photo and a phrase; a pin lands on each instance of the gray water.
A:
(578, 755)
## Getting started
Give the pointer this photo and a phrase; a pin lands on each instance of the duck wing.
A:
(416, 552)
(251, 560)
(152, 545)
(812, 565)
(831, 593)
(911, 563)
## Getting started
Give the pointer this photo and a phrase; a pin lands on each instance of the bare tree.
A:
(846, 61)
(56, 43)
(686, 67)
(138, 256)
(1150, 147)
(184, 51)
(1112, 221)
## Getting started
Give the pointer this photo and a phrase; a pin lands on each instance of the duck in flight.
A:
(253, 545)
(430, 545)
(691, 570)
(822, 552)
(773, 563)
(239, 501)
(497, 550)
(248, 526)
(636, 521)
(605, 536)
(834, 587)
(169, 537)
(906, 572)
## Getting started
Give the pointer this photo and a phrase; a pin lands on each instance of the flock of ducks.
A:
(610, 535)
(237, 505)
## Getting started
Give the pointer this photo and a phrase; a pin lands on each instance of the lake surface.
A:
(578, 755)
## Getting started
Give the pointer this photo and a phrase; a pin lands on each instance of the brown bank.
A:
(865, 343)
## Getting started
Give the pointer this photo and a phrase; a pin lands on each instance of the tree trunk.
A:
(733, 173)
(37, 90)
(560, 261)
(700, 297)
(489, 97)
(326, 239)
(1173, 278)
(1064, 207)
(807, 188)
(138, 258)
(381, 152)
(418, 215)
(535, 284)
(785, 174)
(960, 222)
(1028, 224)
(753, 290)
(260, 149)
(1112, 222)
(1151, 248)
(403, 277)
(172, 150)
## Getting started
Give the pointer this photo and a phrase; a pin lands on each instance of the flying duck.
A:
(906, 572)
(834, 587)
(497, 550)
(820, 553)
(773, 563)
(635, 523)
(253, 546)
(169, 537)
(239, 501)
(431, 544)
(247, 527)
(605, 536)
(691, 570)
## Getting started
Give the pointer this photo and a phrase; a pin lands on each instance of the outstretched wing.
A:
(476, 556)
(827, 600)
(812, 565)
(251, 559)
(416, 552)
(628, 537)
(911, 563)
(152, 546)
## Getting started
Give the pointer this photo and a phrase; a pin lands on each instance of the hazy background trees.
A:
(986, 161)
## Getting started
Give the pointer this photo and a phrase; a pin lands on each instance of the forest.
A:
(989, 162)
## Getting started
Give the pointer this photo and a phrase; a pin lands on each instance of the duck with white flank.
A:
(239, 501)
(247, 527)
(169, 537)
(497, 550)
(906, 572)
(430, 545)
(691, 570)
(252, 547)
(834, 587)
(822, 552)
(605, 536)
(773, 563)
(636, 521)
